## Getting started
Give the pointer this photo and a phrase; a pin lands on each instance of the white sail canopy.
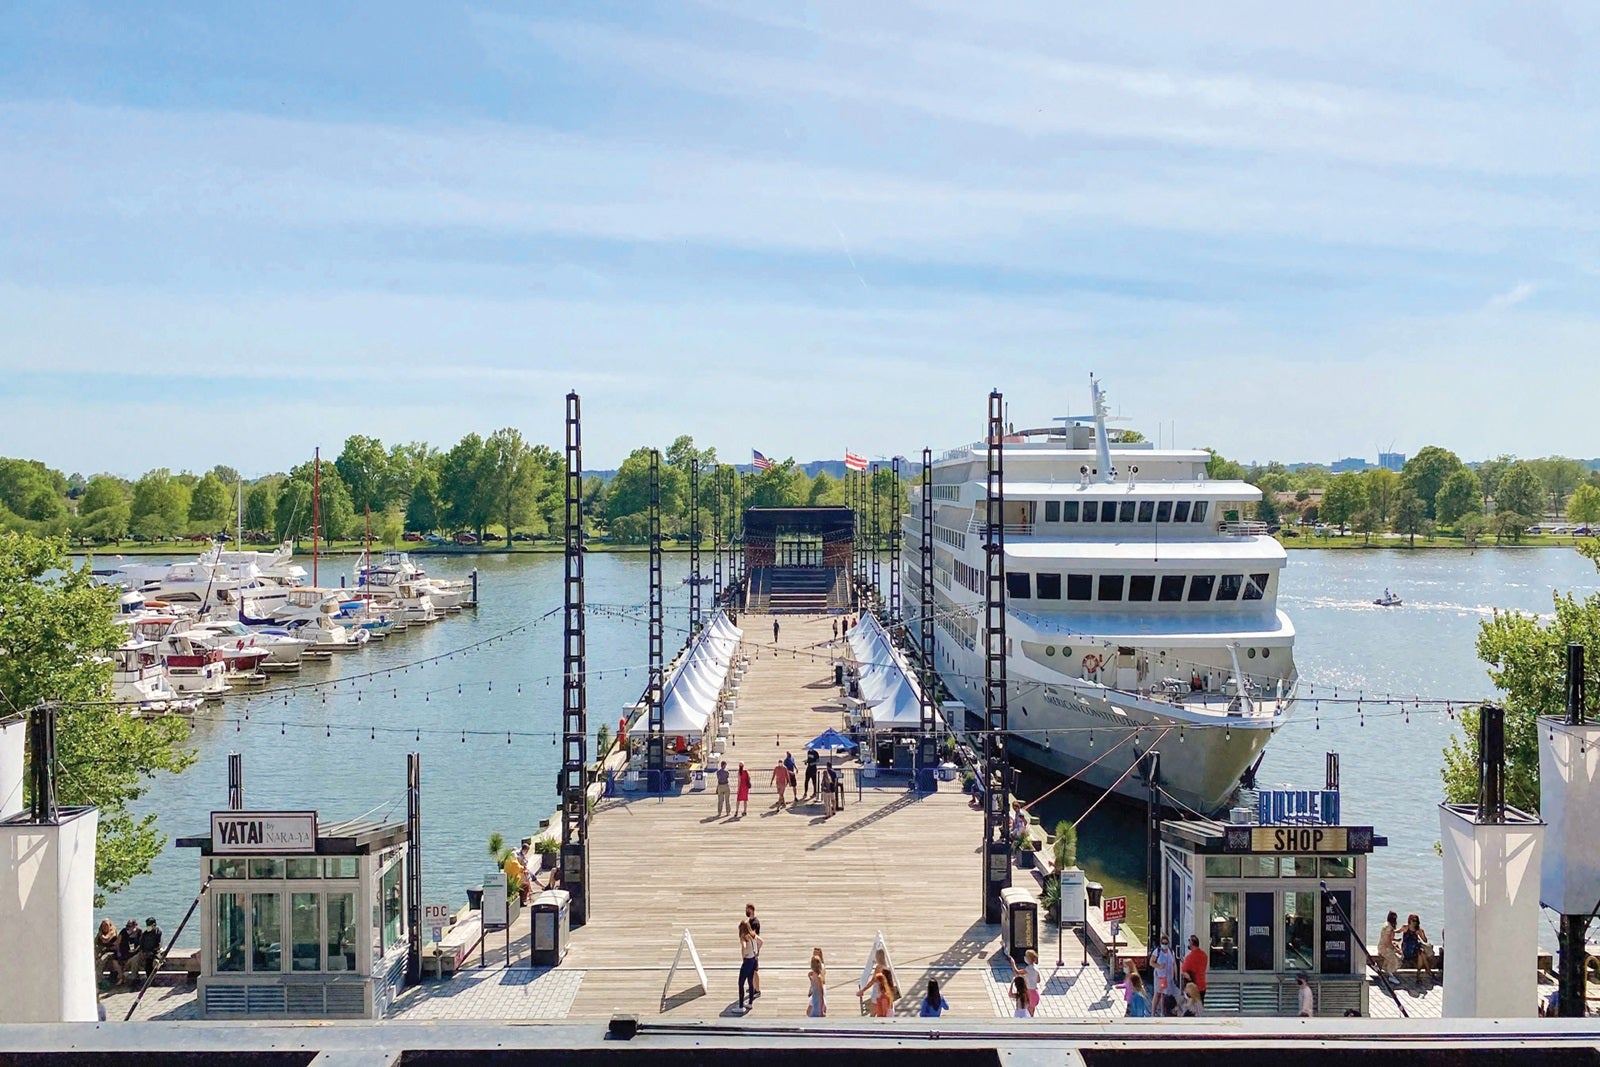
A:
(888, 683)
(695, 682)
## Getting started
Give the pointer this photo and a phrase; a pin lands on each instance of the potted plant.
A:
(1025, 853)
(1050, 899)
(549, 849)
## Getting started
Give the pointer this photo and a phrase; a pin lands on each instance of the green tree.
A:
(160, 505)
(1507, 526)
(363, 466)
(1520, 491)
(1527, 662)
(211, 502)
(1426, 472)
(295, 505)
(1471, 527)
(106, 756)
(1459, 494)
(1344, 499)
(225, 474)
(1489, 474)
(467, 491)
(1222, 469)
(513, 478)
(261, 506)
(1584, 507)
(1559, 476)
(405, 466)
(1367, 521)
(825, 490)
(1409, 515)
(1383, 489)
(34, 494)
(103, 512)
(423, 512)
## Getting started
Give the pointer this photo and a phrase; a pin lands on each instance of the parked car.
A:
(465, 538)
(412, 536)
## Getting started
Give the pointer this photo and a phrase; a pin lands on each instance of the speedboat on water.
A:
(1141, 607)
(282, 651)
(1388, 600)
(327, 634)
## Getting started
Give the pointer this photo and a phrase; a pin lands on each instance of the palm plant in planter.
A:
(1025, 853)
(548, 849)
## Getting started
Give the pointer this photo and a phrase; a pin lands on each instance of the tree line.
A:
(500, 486)
(1435, 490)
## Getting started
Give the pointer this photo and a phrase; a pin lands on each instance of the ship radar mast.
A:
(1102, 442)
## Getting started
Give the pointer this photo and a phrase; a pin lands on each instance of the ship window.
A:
(1256, 588)
(1164, 511)
(1052, 511)
(1180, 513)
(1147, 510)
(1125, 513)
(1171, 587)
(1200, 586)
(1050, 651)
(1266, 652)
(1199, 514)
(1108, 511)
(1080, 586)
(1252, 653)
(1018, 585)
(1091, 511)
(1228, 587)
(1142, 587)
(1069, 511)
(1049, 586)
(1111, 587)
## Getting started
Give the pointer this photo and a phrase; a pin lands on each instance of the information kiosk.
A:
(301, 920)
(1254, 895)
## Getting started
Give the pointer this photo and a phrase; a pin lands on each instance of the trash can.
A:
(838, 674)
(1095, 890)
(658, 780)
(551, 914)
(928, 779)
(1019, 922)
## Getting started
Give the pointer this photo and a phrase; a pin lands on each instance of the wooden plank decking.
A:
(891, 860)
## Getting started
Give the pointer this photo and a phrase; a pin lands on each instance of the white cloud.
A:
(1511, 297)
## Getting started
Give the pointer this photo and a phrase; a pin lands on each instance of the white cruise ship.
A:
(1141, 608)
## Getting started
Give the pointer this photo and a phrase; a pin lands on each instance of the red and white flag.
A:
(759, 462)
(853, 462)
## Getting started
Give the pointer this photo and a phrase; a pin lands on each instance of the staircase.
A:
(801, 590)
(757, 597)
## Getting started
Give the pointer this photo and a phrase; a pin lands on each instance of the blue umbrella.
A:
(831, 739)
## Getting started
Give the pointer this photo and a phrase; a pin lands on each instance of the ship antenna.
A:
(1105, 472)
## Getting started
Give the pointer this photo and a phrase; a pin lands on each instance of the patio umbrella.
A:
(830, 739)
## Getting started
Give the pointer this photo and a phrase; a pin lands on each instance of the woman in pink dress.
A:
(742, 807)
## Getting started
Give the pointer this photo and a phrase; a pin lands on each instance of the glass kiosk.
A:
(1254, 895)
(301, 920)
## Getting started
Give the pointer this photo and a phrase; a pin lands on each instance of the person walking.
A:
(836, 629)
(780, 778)
(1019, 997)
(774, 636)
(811, 774)
(1308, 1003)
(817, 1004)
(1029, 973)
(749, 949)
(1195, 964)
(829, 798)
(879, 992)
(1138, 1002)
(724, 805)
(755, 972)
(794, 775)
(1164, 966)
(742, 804)
(1388, 957)
(933, 1003)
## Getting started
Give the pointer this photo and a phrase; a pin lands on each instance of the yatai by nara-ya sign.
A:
(263, 833)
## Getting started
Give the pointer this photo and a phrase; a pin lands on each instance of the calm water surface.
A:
(342, 749)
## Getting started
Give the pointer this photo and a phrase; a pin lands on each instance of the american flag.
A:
(759, 462)
(854, 462)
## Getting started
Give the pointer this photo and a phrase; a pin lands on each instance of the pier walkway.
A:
(891, 861)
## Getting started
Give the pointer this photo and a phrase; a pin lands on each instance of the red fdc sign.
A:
(1115, 909)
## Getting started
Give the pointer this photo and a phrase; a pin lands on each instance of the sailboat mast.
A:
(238, 514)
(316, 510)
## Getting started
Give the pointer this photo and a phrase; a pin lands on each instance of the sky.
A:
(232, 233)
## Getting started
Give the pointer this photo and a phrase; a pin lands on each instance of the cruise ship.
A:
(1141, 608)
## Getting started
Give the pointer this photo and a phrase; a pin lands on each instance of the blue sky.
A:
(229, 233)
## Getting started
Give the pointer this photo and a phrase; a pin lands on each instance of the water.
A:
(342, 749)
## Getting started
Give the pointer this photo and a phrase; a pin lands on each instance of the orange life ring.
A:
(1092, 663)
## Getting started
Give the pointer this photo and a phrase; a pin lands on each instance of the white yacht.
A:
(283, 653)
(1141, 608)
(139, 681)
(396, 568)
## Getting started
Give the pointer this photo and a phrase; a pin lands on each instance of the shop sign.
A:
(263, 833)
(1297, 840)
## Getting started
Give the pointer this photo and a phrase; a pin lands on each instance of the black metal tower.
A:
(996, 763)
(42, 764)
(414, 865)
(575, 687)
(716, 534)
(694, 545)
(877, 534)
(895, 618)
(1574, 934)
(928, 743)
(655, 739)
(235, 782)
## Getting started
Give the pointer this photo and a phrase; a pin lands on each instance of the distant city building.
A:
(1349, 463)
(1391, 461)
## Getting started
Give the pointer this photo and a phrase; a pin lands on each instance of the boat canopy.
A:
(694, 684)
(888, 683)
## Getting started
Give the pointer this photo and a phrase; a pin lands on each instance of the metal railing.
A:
(1242, 528)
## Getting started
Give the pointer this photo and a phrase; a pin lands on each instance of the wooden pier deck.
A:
(889, 861)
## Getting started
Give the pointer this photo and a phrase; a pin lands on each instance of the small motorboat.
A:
(1388, 600)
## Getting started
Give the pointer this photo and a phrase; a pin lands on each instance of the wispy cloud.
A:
(1511, 297)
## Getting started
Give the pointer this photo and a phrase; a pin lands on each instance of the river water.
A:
(485, 720)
